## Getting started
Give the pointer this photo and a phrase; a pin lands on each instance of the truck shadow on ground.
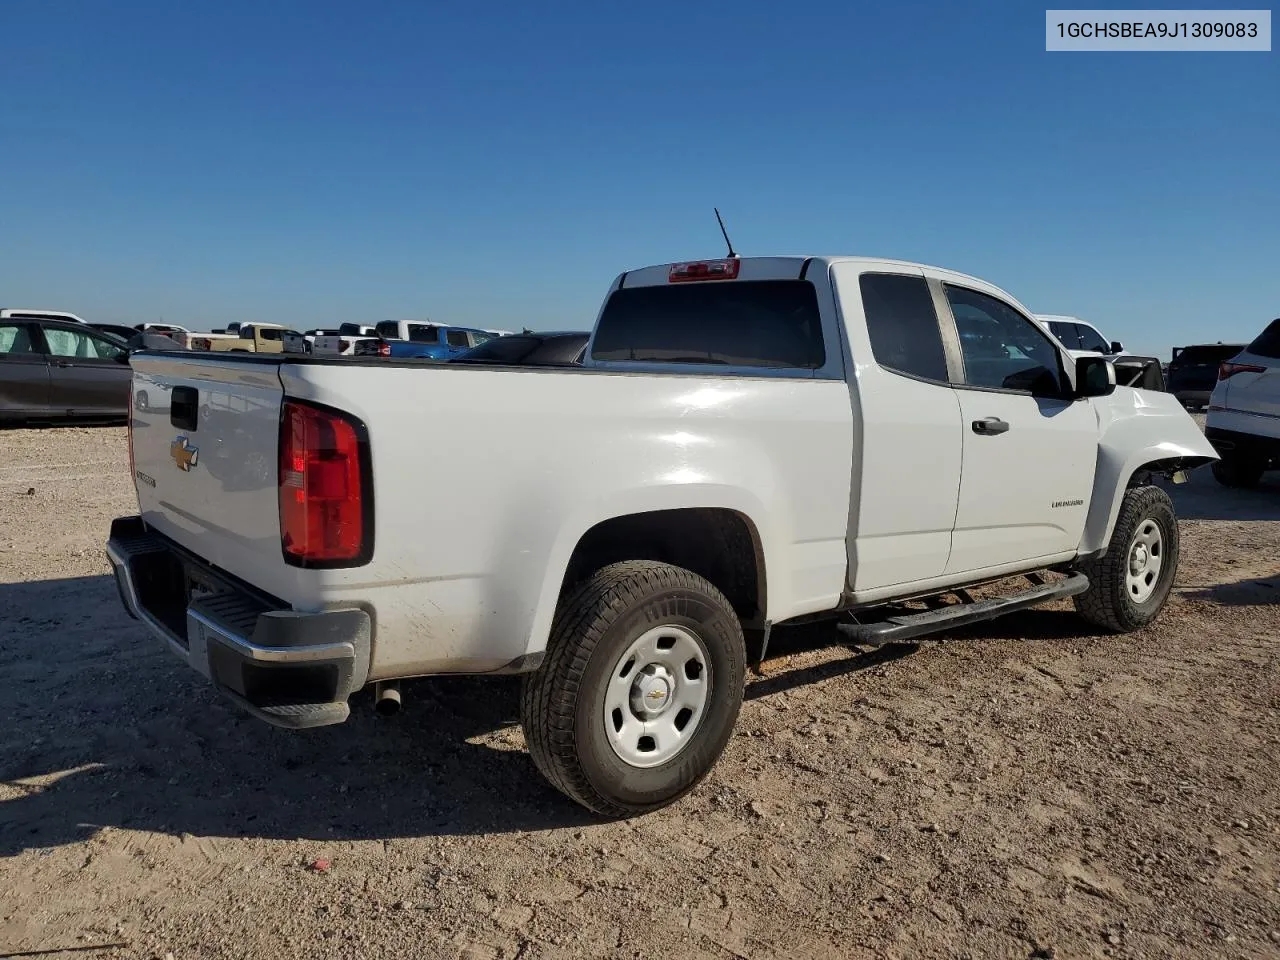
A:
(1203, 498)
(104, 728)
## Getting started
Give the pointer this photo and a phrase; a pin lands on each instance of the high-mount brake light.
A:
(705, 270)
(325, 515)
(1228, 370)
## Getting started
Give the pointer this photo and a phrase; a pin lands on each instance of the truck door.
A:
(1029, 450)
(907, 448)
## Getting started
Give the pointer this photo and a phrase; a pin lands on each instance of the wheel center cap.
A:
(1140, 558)
(651, 692)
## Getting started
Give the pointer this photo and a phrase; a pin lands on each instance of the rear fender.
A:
(1137, 429)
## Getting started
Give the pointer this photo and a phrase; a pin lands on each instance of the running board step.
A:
(912, 625)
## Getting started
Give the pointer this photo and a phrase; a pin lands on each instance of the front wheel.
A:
(1129, 584)
(640, 690)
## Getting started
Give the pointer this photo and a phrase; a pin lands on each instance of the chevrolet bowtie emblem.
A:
(184, 454)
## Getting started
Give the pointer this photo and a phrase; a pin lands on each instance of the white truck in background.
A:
(747, 442)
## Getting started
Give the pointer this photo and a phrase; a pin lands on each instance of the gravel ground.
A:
(1029, 789)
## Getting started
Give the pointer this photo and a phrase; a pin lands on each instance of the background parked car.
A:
(123, 331)
(1083, 339)
(1193, 371)
(556, 349)
(1243, 423)
(24, 313)
(61, 369)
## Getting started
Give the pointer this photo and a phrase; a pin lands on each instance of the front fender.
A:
(1137, 428)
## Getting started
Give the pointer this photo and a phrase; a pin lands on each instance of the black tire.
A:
(562, 703)
(1236, 472)
(1108, 602)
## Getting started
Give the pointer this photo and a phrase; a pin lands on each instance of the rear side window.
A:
(1068, 333)
(1091, 339)
(748, 323)
(423, 334)
(15, 340)
(1268, 342)
(903, 326)
(389, 329)
(271, 334)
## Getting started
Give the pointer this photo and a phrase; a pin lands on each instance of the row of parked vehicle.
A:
(56, 364)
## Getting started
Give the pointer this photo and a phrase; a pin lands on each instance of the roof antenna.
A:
(725, 233)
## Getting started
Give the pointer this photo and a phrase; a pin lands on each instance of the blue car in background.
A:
(429, 341)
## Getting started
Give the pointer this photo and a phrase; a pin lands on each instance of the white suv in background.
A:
(1244, 412)
(1081, 339)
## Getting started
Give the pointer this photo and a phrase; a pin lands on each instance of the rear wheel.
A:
(640, 690)
(1129, 584)
(1237, 471)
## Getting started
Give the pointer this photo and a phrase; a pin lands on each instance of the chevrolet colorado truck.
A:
(746, 442)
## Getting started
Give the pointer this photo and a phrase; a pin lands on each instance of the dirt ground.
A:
(1028, 789)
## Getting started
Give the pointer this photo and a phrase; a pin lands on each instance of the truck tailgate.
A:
(205, 432)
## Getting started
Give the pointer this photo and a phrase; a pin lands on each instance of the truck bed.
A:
(482, 481)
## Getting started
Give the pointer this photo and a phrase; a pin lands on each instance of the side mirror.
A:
(1117, 346)
(1095, 377)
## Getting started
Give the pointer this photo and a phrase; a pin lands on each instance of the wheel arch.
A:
(1115, 475)
(716, 532)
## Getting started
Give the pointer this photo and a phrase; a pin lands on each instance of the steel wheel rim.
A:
(1144, 562)
(656, 697)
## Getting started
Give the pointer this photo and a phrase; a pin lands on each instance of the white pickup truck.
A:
(748, 441)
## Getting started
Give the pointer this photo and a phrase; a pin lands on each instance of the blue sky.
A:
(497, 164)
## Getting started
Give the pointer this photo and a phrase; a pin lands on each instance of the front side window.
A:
(903, 325)
(75, 344)
(456, 338)
(771, 324)
(1002, 349)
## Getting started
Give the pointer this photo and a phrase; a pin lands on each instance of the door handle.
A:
(990, 426)
(61, 363)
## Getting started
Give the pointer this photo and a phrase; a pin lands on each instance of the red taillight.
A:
(1228, 370)
(324, 520)
(384, 349)
(705, 270)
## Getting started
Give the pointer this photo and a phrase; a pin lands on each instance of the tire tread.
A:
(548, 698)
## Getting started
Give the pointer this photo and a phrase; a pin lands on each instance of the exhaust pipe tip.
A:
(386, 698)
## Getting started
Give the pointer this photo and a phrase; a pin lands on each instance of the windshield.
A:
(753, 323)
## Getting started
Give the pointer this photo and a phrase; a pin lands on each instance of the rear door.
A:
(1029, 451)
(907, 439)
(24, 371)
(89, 375)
